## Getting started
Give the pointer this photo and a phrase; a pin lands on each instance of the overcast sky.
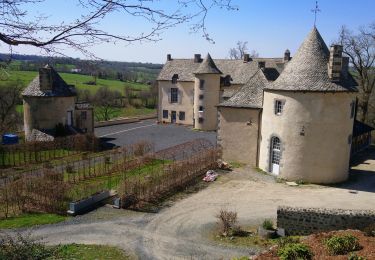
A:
(269, 26)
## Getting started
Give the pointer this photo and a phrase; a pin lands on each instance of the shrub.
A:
(370, 230)
(23, 247)
(267, 224)
(295, 251)
(283, 241)
(341, 245)
(227, 221)
(354, 256)
(69, 169)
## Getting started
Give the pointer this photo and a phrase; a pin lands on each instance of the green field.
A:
(25, 77)
(125, 112)
(30, 219)
(89, 252)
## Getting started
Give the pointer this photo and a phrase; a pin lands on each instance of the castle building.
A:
(290, 116)
(48, 101)
(191, 89)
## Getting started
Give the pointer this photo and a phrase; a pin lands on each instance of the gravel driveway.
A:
(181, 230)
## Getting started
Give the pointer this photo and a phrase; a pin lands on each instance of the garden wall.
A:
(305, 221)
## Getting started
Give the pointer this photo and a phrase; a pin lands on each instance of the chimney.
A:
(246, 58)
(287, 55)
(45, 78)
(169, 57)
(197, 58)
(261, 64)
(345, 67)
(335, 63)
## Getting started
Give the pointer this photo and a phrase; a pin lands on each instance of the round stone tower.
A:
(308, 115)
(206, 95)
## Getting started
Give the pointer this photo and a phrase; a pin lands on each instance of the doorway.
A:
(69, 120)
(173, 116)
(275, 154)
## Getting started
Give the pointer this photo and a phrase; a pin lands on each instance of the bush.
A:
(22, 247)
(227, 222)
(295, 251)
(342, 245)
(354, 256)
(370, 230)
(267, 224)
(283, 241)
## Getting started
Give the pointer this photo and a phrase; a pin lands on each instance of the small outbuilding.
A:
(50, 104)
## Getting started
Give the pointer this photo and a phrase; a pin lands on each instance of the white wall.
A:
(322, 154)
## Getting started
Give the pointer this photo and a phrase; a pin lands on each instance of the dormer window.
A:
(226, 81)
(279, 105)
(174, 78)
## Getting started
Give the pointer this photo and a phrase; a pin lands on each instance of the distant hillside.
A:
(114, 70)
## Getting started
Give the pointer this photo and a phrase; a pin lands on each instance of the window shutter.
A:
(169, 95)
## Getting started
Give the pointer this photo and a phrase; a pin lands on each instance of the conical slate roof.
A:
(308, 70)
(208, 66)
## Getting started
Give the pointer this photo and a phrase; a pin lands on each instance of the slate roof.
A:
(208, 66)
(308, 70)
(59, 87)
(251, 94)
(240, 71)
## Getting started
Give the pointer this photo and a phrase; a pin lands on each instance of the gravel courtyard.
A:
(180, 231)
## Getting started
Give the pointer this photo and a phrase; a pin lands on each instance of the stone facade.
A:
(306, 221)
(314, 129)
(46, 112)
(234, 122)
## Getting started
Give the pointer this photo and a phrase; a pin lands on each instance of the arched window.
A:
(275, 155)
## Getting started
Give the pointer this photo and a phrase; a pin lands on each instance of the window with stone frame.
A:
(279, 106)
(201, 97)
(201, 108)
(181, 115)
(165, 113)
(200, 120)
(174, 95)
(201, 84)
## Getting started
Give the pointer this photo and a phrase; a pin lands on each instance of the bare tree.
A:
(360, 47)
(9, 99)
(20, 27)
(105, 102)
(239, 51)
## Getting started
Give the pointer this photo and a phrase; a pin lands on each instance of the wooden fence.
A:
(39, 152)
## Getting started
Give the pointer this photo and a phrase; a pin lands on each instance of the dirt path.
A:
(181, 231)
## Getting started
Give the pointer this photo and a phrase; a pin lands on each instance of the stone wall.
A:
(305, 221)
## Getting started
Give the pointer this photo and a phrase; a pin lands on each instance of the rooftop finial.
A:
(316, 10)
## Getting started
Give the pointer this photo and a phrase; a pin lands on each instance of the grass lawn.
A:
(31, 219)
(125, 112)
(27, 157)
(90, 252)
(87, 187)
(75, 79)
